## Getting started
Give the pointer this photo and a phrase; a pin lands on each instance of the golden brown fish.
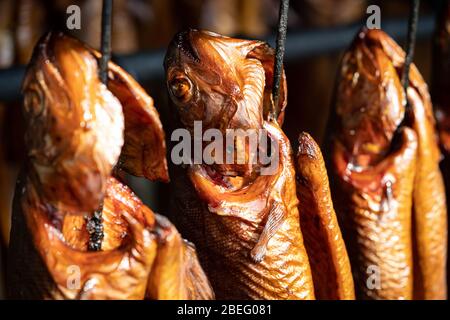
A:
(326, 250)
(245, 223)
(387, 186)
(75, 135)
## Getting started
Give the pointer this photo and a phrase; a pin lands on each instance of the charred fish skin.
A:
(55, 270)
(210, 86)
(81, 133)
(226, 226)
(359, 164)
(358, 205)
(66, 123)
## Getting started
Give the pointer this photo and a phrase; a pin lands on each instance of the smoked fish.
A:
(77, 129)
(244, 221)
(386, 182)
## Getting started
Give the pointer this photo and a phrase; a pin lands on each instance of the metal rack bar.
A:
(147, 65)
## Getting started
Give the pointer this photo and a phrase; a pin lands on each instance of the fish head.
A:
(223, 82)
(370, 100)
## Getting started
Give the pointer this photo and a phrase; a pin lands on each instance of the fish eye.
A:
(33, 102)
(181, 88)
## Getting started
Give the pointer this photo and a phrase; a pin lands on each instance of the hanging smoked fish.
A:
(246, 223)
(76, 130)
(387, 187)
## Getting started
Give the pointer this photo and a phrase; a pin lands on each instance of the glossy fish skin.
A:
(223, 91)
(144, 150)
(378, 238)
(326, 249)
(80, 140)
(225, 215)
(365, 171)
(275, 266)
(246, 225)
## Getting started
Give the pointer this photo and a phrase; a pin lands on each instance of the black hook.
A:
(411, 41)
(279, 54)
(105, 40)
(95, 223)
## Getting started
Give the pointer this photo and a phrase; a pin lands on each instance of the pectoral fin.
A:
(275, 219)
(144, 151)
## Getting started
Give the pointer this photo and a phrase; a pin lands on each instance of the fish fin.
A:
(144, 150)
(266, 55)
(275, 219)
